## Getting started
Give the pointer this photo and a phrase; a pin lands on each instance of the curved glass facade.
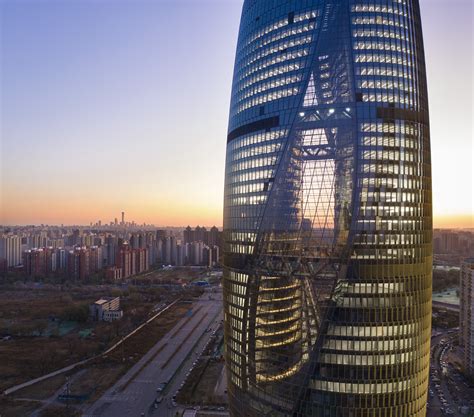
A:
(327, 213)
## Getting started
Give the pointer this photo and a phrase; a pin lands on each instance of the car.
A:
(161, 387)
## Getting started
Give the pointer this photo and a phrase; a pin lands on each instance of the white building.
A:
(112, 315)
(106, 309)
(466, 316)
(10, 249)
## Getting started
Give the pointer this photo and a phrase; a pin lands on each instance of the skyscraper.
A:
(327, 213)
(466, 315)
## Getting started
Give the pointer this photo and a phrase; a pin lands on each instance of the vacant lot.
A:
(46, 328)
(38, 333)
(11, 408)
(93, 380)
(174, 276)
(43, 391)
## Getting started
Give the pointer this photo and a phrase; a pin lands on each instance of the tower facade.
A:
(466, 315)
(327, 211)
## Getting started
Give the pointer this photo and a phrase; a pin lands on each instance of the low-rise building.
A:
(112, 315)
(106, 309)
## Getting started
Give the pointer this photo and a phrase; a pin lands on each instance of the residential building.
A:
(34, 263)
(10, 249)
(132, 261)
(78, 264)
(113, 273)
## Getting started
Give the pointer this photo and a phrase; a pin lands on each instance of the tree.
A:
(79, 313)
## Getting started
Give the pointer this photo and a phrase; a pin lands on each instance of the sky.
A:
(110, 106)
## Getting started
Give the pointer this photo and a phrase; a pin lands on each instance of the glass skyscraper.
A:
(327, 213)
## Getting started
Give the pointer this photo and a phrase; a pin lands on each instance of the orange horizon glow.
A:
(170, 215)
(87, 133)
(167, 216)
(461, 221)
(173, 207)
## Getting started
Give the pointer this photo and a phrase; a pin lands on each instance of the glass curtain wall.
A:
(327, 212)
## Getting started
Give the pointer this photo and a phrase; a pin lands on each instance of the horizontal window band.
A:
(263, 124)
(392, 113)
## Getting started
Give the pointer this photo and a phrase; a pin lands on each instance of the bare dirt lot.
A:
(202, 385)
(44, 328)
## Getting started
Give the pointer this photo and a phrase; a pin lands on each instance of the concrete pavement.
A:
(168, 361)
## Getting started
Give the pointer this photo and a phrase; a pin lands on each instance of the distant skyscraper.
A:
(466, 316)
(327, 211)
(123, 217)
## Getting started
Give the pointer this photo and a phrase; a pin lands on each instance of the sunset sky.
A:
(110, 105)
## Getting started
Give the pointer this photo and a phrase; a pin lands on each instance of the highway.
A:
(448, 390)
(168, 361)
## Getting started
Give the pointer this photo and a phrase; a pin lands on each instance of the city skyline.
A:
(91, 99)
(239, 208)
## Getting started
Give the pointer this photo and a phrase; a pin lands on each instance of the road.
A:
(437, 388)
(169, 360)
(444, 376)
(447, 306)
